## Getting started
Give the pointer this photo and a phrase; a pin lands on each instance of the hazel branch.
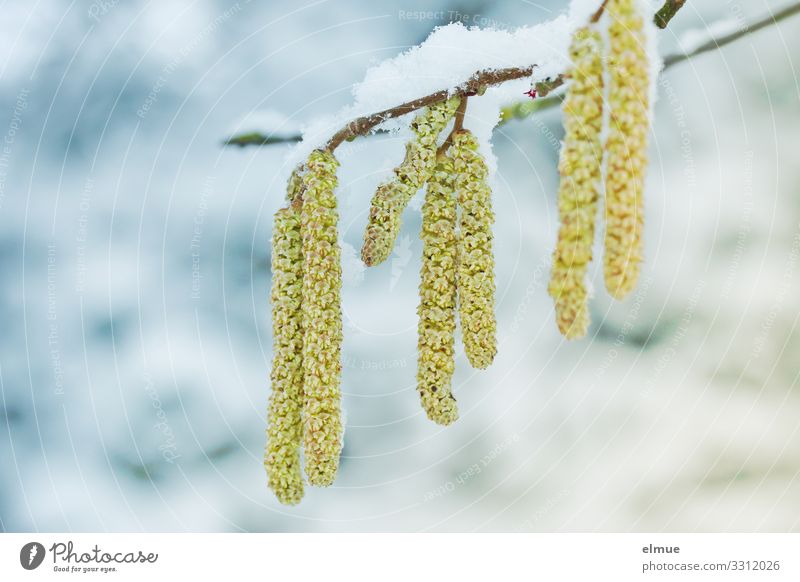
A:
(473, 86)
(479, 80)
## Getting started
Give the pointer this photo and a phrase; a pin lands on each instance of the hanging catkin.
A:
(475, 272)
(391, 198)
(579, 166)
(626, 146)
(437, 292)
(284, 423)
(322, 320)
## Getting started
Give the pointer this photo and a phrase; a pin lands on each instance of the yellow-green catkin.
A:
(580, 168)
(322, 320)
(626, 145)
(284, 424)
(437, 292)
(475, 272)
(391, 198)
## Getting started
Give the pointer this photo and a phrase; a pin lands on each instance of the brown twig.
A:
(716, 43)
(458, 124)
(523, 109)
(667, 12)
(363, 125)
(596, 16)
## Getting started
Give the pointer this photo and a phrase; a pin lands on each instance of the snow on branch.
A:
(453, 60)
(465, 61)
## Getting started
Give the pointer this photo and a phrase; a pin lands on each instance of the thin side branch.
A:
(667, 11)
(259, 139)
(719, 42)
(524, 109)
(458, 124)
(599, 13)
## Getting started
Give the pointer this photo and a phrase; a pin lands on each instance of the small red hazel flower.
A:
(531, 93)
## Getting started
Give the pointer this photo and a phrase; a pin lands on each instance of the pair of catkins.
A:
(581, 159)
(457, 258)
(305, 404)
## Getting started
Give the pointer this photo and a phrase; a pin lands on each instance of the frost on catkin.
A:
(626, 146)
(579, 166)
(322, 320)
(284, 423)
(475, 272)
(437, 292)
(391, 198)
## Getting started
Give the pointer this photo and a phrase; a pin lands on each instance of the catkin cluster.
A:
(437, 293)
(626, 146)
(580, 168)
(457, 271)
(304, 407)
(475, 273)
(391, 198)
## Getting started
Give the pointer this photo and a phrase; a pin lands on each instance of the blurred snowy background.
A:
(134, 277)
